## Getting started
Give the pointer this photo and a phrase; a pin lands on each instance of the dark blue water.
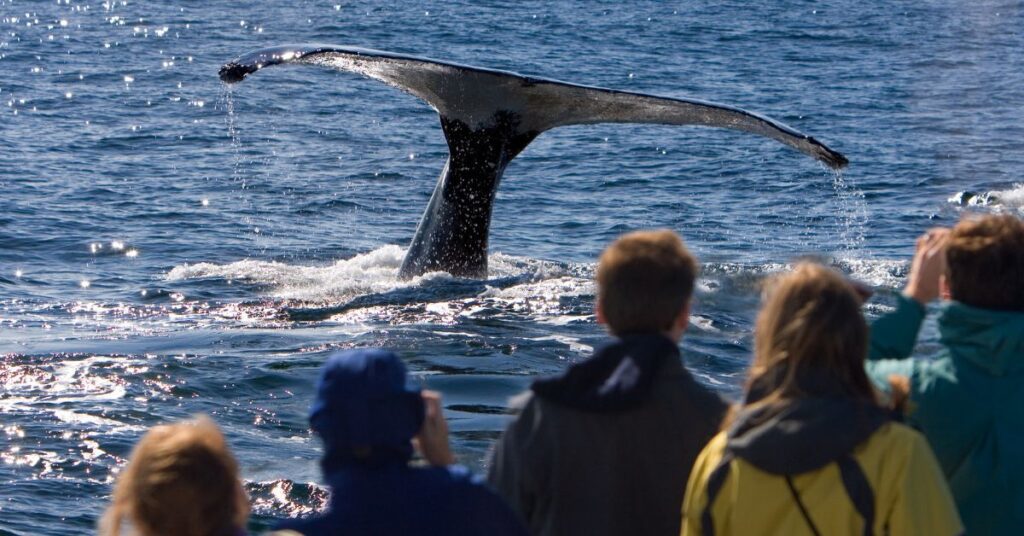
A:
(154, 227)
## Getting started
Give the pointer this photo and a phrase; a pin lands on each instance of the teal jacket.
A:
(968, 401)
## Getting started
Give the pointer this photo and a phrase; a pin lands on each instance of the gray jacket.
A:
(592, 472)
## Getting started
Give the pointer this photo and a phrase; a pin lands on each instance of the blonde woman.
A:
(181, 480)
(811, 450)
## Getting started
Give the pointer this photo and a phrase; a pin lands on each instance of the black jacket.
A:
(606, 448)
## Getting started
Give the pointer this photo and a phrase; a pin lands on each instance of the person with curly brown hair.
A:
(968, 399)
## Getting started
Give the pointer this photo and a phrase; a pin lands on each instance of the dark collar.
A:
(619, 376)
(804, 434)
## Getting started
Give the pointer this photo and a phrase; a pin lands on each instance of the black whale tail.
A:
(488, 117)
(453, 233)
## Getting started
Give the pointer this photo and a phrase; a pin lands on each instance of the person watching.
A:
(968, 399)
(606, 447)
(369, 421)
(181, 479)
(811, 449)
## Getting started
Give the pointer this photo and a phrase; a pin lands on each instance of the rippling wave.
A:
(170, 246)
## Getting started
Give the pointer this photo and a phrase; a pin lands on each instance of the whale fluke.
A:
(488, 117)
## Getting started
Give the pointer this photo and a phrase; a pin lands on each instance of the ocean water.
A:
(156, 227)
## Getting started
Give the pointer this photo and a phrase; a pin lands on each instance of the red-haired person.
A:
(181, 480)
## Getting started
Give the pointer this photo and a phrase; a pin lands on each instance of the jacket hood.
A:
(619, 376)
(363, 411)
(801, 435)
(990, 339)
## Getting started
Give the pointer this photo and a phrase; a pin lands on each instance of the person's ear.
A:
(599, 312)
(944, 291)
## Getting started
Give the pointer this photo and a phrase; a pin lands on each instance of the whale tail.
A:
(490, 116)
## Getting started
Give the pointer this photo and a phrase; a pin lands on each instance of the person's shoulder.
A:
(466, 484)
(703, 397)
(717, 443)
(709, 397)
(526, 410)
(463, 475)
(518, 403)
(534, 412)
(893, 443)
(898, 458)
(530, 431)
(456, 482)
(711, 455)
(455, 475)
(897, 432)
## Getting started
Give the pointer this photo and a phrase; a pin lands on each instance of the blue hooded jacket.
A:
(366, 416)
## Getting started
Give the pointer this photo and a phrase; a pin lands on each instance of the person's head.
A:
(985, 262)
(810, 338)
(644, 283)
(364, 412)
(181, 479)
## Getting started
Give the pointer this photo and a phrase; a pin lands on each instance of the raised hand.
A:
(928, 266)
(432, 441)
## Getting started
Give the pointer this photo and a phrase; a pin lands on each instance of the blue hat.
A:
(363, 405)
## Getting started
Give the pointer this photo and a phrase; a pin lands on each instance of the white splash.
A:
(884, 273)
(703, 323)
(1012, 198)
(373, 272)
(369, 273)
(574, 344)
(547, 292)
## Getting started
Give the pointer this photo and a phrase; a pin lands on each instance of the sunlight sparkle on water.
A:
(84, 283)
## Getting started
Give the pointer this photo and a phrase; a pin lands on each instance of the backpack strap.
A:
(803, 508)
(715, 481)
(859, 490)
(854, 481)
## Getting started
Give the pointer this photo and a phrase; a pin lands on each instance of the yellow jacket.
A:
(911, 495)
